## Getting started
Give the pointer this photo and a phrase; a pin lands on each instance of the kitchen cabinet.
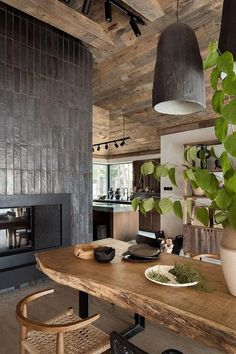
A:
(120, 221)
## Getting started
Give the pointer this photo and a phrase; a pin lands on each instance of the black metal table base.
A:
(139, 321)
(139, 326)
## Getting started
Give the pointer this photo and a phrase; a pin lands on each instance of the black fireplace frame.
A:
(16, 269)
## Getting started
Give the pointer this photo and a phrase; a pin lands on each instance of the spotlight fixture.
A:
(108, 15)
(115, 142)
(86, 7)
(134, 27)
(93, 149)
(134, 21)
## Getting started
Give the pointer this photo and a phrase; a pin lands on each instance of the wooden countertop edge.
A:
(178, 320)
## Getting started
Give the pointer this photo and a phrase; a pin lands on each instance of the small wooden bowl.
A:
(84, 251)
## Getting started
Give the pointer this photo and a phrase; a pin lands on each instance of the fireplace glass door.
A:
(15, 230)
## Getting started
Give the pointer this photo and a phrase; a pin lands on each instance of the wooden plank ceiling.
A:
(124, 64)
(123, 75)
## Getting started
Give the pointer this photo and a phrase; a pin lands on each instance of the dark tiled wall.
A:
(45, 114)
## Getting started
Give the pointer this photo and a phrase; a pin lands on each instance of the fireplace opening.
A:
(29, 224)
(15, 230)
(23, 229)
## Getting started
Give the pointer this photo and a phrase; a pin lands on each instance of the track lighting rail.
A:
(106, 143)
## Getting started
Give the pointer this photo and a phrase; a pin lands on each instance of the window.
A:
(100, 180)
(121, 176)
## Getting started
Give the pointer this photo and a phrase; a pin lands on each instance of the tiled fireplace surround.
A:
(45, 115)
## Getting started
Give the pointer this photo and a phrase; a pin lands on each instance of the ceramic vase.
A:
(228, 258)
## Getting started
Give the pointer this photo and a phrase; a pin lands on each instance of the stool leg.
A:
(60, 343)
(23, 333)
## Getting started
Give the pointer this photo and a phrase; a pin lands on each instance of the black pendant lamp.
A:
(178, 86)
(227, 40)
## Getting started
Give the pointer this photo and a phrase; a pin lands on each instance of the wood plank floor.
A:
(154, 339)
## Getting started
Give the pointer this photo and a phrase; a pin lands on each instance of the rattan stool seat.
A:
(87, 340)
(64, 334)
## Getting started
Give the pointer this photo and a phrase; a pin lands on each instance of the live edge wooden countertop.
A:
(207, 317)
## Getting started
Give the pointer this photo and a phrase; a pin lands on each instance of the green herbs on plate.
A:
(186, 273)
(183, 274)
(158, 276)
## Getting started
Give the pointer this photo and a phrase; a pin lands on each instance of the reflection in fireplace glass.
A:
(15, 230)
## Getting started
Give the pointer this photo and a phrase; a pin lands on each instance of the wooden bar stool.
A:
(64, 334)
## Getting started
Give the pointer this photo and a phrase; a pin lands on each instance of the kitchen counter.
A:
(117, 220)
(112, 207)
(114, 201)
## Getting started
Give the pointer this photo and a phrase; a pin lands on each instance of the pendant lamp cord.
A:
(177, 11)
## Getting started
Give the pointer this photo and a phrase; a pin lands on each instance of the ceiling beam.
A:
(150, 9)
(66, 19)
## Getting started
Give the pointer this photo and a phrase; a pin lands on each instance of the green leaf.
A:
(229, 84)
(218, 101)
(225, 62)
(213, 153)
(232, 213)
(221, 129)
(160, 171)
(212, 46)
(221, 217)
(223, 199)
(225, 162)
(215, 74)
(135, 203)
(211, 59)
(207, 181)
(171, 174)
(190, 174)
(141, 208)
(193, 153)
(230, 183)
(147, 168)
(229, 112)
(177, 208)
(148, 204)
(165, 205)
(202, 216)
(156, 206)
(211, 196)
(230, 144)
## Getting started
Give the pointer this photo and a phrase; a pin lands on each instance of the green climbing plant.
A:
(220, 190)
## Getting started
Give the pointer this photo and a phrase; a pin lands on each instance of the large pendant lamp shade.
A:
(178, 86)
(227, 40)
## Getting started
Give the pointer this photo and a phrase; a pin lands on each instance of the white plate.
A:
(165, 271)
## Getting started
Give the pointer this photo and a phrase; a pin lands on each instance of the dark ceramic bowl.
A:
(104, 254)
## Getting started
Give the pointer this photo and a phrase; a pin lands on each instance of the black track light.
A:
(134, 27)
(116, 145)
(108, 14)
(122, 143)
(98, 148)
(93, 149)
(106, 146)
(86, 6)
